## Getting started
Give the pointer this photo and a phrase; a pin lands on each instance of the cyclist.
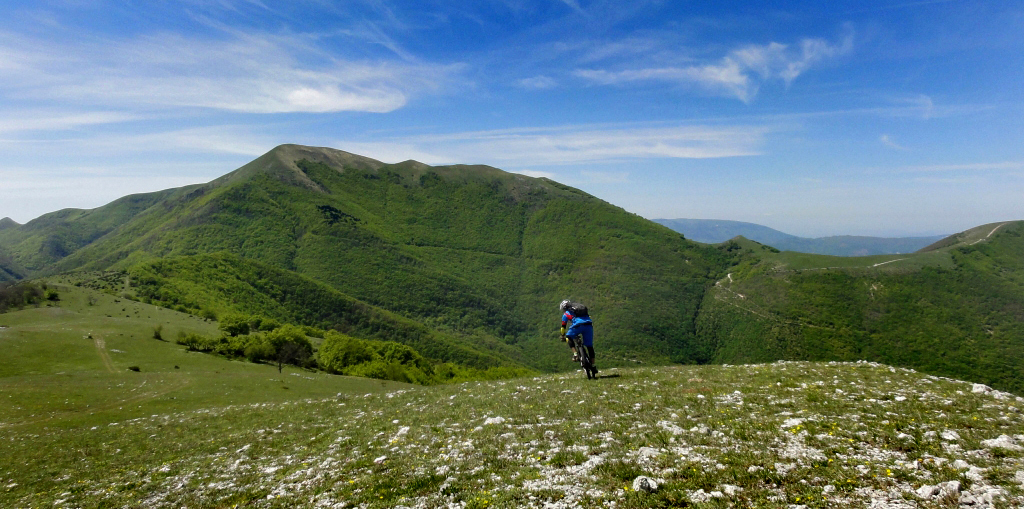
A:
(576, 320)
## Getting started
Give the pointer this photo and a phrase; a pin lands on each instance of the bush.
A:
(339, 351)
(195, 342)
(235, 325)
(158, 332)
(258, 348)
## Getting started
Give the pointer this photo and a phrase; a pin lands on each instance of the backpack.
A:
(578, 310)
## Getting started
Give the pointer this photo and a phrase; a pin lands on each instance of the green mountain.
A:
(956, 308)
(714, 231)
(471, 253)
(465, 264)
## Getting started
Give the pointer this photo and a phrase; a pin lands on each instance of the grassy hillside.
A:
(34, 247)
(471, 251)
(956, 310)
(780, 435)
(221, 284)
(714, 231)
(66, 364)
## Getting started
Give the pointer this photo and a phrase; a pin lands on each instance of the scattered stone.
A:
(1002, 442)
(981, 389)
(380, 460)
(646, 453)
(494, 420)
(950, 435)
(949, 488)
(646, 484)
(703, 496)
(730, 489)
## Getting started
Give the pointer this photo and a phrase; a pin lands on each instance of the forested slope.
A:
(963, 318)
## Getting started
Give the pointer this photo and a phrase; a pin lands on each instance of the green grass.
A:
(712, 436)
(68, 365)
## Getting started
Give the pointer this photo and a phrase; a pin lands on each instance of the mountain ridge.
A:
(479, 256)
(714, 231)
(465, 249)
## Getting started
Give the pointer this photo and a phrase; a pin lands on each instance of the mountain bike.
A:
(585, 361)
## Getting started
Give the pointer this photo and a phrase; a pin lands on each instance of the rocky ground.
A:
(778, 435)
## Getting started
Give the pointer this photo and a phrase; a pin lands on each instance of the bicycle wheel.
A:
(585, 363)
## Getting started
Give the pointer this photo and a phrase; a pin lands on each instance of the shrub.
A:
(235, 325)
(195, 342)
(258, 348)
(339, 351)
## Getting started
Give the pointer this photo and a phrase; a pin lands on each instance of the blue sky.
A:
(814, 118)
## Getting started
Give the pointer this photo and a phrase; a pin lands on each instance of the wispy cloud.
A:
(887, 141)
(244, 72)
(738, 74)
(536, 174)
(20, 121)
(569, 145)
(538, 82)
(968, 167)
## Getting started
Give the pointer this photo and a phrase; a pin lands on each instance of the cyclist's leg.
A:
(588, 342)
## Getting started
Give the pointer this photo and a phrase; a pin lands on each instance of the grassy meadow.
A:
(85, 431)
(67, 364)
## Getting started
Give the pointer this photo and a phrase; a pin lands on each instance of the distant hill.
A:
(955, 309)
(714, 231)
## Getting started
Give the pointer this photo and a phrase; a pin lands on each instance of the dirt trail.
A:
(990, 233)
(101, 347)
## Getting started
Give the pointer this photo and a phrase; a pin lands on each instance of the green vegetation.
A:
(235, 288)
(960, 318)
(462, 263)
(18, 295)
(780, 435)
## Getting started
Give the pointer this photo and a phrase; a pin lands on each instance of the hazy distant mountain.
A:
(714, 231)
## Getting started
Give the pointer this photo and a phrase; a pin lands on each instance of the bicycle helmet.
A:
(563, 305)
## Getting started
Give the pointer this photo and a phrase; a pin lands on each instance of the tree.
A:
(235, 325)
(339, 351)
(290, 345)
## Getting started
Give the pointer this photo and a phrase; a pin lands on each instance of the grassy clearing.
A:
(72, 364)
(776, 435)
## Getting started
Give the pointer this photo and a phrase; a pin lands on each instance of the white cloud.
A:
(569, 145)
(19, 121)
(538, 82)
(536, 174)
(739, 73)
(252, 73)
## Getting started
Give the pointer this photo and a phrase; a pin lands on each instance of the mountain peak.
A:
(8, 223)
